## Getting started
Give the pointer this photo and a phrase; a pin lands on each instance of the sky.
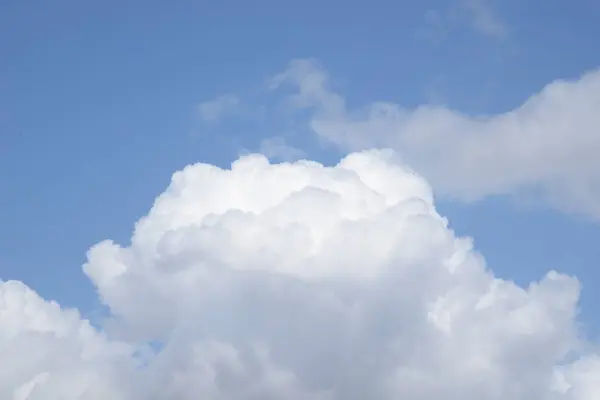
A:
(492, 103)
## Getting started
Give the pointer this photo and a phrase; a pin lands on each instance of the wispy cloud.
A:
(484, 19)
(214, 110)
(433, 28)
(277, 148)
(547, 147)
(479, 15)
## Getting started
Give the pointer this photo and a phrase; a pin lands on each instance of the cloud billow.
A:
(298, 281)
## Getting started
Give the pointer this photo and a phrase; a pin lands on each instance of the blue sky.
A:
(99, 106)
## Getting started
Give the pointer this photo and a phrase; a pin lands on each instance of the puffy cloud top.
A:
(298, 281)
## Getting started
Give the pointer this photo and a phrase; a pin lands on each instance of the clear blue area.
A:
(97, 103)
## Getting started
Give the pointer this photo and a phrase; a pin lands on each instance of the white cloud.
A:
(50, 353)
(547, 148)
(299, 281)
(222, 106)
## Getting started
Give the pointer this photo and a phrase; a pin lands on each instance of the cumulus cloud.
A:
(51, 353)
(214, 110)
(298, 281)
(547, 148)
